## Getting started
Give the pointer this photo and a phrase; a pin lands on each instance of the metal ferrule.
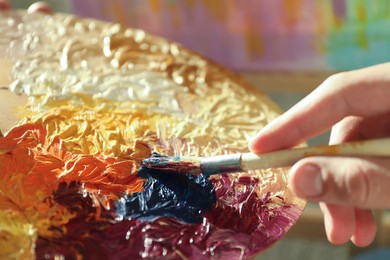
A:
(220, 164)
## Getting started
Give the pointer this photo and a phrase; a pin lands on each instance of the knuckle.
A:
(357, 185)
(335, 79)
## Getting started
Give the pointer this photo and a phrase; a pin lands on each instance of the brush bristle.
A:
(173, 164)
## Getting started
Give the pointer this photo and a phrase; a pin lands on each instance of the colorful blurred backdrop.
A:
(261, 34)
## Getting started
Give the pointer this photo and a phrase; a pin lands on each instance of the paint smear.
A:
(185, 197)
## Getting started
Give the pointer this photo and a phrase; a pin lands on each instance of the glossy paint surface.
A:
(184, 197)
(102, 98)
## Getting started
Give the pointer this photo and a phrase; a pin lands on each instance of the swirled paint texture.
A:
(70, 199)
(185, 197)
(101, 99)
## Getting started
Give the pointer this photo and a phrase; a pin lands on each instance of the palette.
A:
(102, 97)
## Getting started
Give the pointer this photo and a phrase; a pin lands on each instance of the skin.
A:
(354, 105)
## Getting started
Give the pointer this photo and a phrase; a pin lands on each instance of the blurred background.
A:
(286, 48)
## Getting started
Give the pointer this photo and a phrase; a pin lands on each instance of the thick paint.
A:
(173, 215)
(240, 220)
(172, 164)
(101, 100)
(185, 197)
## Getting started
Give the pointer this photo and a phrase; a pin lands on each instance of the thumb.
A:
(357, 182)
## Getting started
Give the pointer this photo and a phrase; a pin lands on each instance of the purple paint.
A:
(239, 224)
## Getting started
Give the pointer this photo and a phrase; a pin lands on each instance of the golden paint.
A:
(102, 91)
(17, 235)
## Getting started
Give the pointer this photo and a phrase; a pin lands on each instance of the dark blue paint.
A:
(183, 196)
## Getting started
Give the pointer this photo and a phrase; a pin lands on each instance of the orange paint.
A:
(33, 164)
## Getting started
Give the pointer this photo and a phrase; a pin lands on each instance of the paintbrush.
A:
(249, 161)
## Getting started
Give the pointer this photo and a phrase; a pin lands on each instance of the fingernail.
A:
(309, 181)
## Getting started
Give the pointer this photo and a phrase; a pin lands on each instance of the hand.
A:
(36, 7)
(356, 105)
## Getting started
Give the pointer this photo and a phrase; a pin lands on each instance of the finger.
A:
(358, 128)
(353, 182)
(345, 130)
(344, 223)
(358, 93)
(5, 5)
(365, 228)
(40, 7)
(339, 223)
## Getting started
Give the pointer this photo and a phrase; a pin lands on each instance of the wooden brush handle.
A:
(282, 158)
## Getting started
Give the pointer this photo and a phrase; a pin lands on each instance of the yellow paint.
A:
(106, 129)
(17, 235)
